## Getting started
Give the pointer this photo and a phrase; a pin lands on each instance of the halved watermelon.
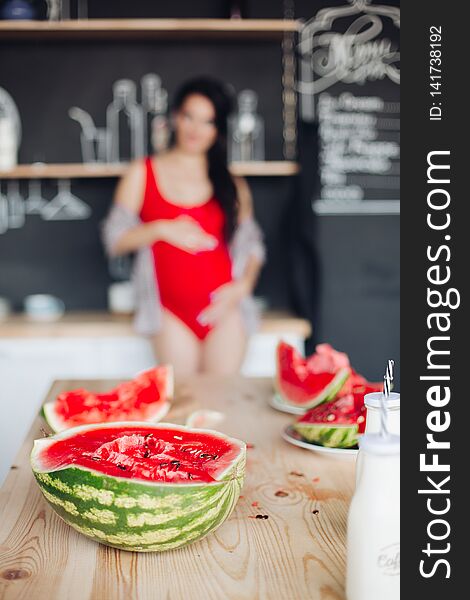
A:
(299, 384)
(140, 486)
(145, 398)
(336, 424)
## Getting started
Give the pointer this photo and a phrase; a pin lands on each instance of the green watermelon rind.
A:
(138, 515)
(336, 436)
(328, 393)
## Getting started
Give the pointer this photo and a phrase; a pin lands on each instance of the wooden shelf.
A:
(64, 170)
(84, 171)
(269, 168)
(259, 29)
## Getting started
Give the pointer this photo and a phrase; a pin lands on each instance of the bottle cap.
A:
(374, 400)
(375, 443)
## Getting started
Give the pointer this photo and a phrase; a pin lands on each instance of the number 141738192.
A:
(435, 72)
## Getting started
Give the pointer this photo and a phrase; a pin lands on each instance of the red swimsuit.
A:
(186, 280)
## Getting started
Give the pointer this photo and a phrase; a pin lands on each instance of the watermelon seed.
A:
(148, 435)
(163, 464)
(190, 476)
(281, 494)
(215, 456)
(262, 517)
(315, 512)
(176, 463)
(146, 453)
(204, 455)
(95, 458)
(122, 467)
(297, 474)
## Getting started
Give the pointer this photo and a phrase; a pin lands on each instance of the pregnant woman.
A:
(199, 249)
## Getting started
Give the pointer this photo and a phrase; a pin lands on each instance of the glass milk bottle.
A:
(373, 538)
(373, 403)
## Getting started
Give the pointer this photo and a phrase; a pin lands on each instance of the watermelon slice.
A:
(145, 398)
(336, 424)
(140, 486)
(357, 383)
(298, 381)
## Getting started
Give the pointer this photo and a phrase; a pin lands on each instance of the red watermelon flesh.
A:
(300, 383)
(357, 383)
(144, 398)
(160, 453)
(326, 359)
(336, 424)
(347, 410)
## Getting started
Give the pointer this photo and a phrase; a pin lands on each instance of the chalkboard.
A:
(349, 85)
(349, 181)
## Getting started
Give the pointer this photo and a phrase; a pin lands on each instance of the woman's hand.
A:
(224, 299)
(185, 233)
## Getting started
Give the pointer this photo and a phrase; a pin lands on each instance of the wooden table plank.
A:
(294, 554)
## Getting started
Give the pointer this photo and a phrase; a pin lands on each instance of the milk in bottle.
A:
(373, 539)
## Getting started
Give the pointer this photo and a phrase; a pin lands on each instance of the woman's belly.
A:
(186, 280)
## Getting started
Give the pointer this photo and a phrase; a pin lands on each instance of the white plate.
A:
(291, 436)
(278, 403)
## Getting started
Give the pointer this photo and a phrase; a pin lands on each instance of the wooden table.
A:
(297, 553)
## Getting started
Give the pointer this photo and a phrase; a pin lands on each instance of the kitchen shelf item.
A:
(92, 170)
(257, 29)
(65, 206)
(3, 213)
(124, 122)
(43, 307)
(16, 9)
(10, 131)
(34, 202)
(246, 130)
(155, 107)
(93, 141)
(16, 207)
(87, 134)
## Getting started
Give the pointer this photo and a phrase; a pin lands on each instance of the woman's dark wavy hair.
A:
(219, 175)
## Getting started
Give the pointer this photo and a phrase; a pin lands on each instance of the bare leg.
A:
(224, 348)
(177, 345)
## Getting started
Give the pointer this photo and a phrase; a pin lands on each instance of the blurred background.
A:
(316, 133)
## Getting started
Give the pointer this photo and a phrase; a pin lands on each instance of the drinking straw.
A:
(388, 378)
